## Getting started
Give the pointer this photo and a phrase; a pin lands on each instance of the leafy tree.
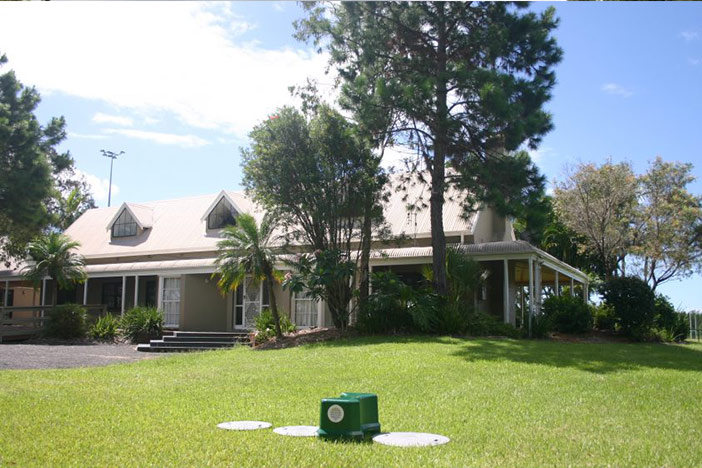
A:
(52, 255)
(634, 306)
(318, 175)
(70, 202)
(668, 240)
(28, 162)
(246, 250)
(462, 83)
(598, 203)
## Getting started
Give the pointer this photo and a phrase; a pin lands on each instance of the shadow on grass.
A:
(590, 357)
(599, 358)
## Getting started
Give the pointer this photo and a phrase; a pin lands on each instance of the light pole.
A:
(112, 155)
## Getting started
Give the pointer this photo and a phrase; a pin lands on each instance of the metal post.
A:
(136, 290)
(112, 155)
(505, 292)
(85, 291)
(124, 291)
(531, 292)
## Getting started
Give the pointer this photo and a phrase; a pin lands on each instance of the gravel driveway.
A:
(43, 356)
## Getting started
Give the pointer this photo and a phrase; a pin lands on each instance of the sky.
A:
(178, 86)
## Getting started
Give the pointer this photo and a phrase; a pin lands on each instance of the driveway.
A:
(42, 356)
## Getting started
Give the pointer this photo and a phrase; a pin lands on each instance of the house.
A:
(162, 254)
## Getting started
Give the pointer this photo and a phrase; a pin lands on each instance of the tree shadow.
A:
(601, 358)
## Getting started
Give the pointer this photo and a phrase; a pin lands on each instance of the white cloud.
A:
(616, 89)
(694, 61)
(689, 35)
(185, 59)
(97, 186)
(86, 136)
(396, 156)
(187, 141)
(113, 119)
(539, 155)
(278, 6)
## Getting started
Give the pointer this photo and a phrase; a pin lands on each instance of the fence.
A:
(20, 322)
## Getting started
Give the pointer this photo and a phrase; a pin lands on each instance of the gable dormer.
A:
(222, 212)
(130, 220)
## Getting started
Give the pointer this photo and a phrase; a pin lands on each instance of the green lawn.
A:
(503, 403)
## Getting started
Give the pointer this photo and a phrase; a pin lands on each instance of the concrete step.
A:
(210, 334)
(188, 339)
(147, 348)
(192, 344)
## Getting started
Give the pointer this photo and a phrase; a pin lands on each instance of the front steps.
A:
(180, 341)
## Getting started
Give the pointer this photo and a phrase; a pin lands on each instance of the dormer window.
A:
(222, 215)
(124, 226)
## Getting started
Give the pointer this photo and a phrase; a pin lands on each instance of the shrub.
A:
(387, 308)
(672, 325)
(105, 328)
(633, 302)
(265, 325)
(567, 314)
(142, 324)
(482, 324)
(603, 315)
(66, 321)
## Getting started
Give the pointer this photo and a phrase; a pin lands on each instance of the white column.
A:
(558, 290)
(136, 290)
(505, 292)
(43, 292)
(124, 292)
(531, 292)
(585, 291)
(159, 294)
(7, 293)
(538, 286)
(320, 313)
(85, 291)
(572, 287)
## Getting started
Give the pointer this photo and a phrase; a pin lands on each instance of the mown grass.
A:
(502, 403)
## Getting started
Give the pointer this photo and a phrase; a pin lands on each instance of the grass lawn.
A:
(502, 403)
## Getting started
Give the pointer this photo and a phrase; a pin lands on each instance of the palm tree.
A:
(53, 257)
(245, 250)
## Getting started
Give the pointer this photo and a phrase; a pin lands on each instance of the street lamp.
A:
(112, 155)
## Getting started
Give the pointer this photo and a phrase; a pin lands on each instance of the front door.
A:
(249, 299)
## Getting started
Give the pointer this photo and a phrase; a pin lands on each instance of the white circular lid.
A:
(243, 425)
(297, 431)
(410, 439)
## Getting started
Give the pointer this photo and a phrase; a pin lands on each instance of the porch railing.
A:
(33, 319)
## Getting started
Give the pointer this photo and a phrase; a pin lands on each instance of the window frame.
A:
(119, 227)
(220, 210)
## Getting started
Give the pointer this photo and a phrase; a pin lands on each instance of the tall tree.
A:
(668, 235)
(246, 250)
(460, 82)
(316, 173)
(71, 198)
(599, 204)
(28, 162)
(52, 255)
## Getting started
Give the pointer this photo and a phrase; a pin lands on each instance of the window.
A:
(125, 225)
(170, 302)
(112, 296)
(222, 215)
(305, 310)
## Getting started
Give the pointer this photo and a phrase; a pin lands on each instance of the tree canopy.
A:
(34, 174)
(462, 83)
(317, 175)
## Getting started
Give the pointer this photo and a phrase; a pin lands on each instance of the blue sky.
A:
(177, 86)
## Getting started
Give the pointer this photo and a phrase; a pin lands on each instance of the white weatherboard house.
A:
(162, 254)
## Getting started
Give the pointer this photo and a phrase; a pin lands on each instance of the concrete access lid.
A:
(244, 425)
(410, 439)
(297, 431)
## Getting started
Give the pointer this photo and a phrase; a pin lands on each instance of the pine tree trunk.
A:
(365, 258)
